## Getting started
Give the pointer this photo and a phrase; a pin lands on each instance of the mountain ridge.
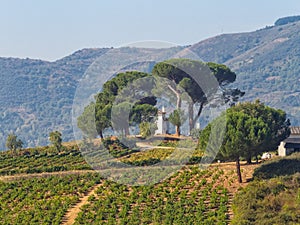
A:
(266, 62)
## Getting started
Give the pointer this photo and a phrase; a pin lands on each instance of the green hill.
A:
(266, 62)
(36, 96)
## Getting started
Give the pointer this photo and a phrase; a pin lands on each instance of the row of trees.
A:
(13, 143)
(176, 77)
(251, 128)
(186, 76)
(97, 116)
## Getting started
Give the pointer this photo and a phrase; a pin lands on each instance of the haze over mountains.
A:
(36, 96)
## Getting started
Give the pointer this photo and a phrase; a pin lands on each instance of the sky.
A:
(52, 29)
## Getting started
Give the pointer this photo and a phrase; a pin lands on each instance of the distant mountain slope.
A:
(36, 96)
(267, 63)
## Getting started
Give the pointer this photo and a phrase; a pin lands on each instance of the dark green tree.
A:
(179, 72)
(13, 143)
(97, 115)
(277, 127)
(177, 118)
(147, 129)
(56, 140)
(142, 113)
(118, 117)
(102, 112)
(251, 128)
(86, 122)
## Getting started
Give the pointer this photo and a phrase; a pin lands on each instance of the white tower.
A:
(162, 122)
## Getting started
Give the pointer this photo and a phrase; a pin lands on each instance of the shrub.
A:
(278, 167)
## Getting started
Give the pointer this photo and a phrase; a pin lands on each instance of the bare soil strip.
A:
(72, 213)
(233, 187)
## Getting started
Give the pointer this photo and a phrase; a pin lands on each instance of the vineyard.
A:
(40, 160)
(156, 155)
(71, 193)
(43, 200)
(44, 159)
(191, 196)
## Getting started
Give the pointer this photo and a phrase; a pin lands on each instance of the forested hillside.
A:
(266, 62)
(36, 96)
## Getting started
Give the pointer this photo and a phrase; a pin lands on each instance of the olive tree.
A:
(13, 143)
(56, 140)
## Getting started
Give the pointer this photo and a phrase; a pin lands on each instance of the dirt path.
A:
(72, 213)
(233, 186)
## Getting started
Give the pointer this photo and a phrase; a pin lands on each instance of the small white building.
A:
(162, 122)
(291, 144)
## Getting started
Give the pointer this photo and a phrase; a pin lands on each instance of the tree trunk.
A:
(127, 132)
(249, 161)
(238, 170)
(178, 106)
(101, 135)
(178, 103)
(191, 116)
(177, 131)
(198, 114)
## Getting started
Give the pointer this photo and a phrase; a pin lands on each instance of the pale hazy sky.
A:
(51, 29)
